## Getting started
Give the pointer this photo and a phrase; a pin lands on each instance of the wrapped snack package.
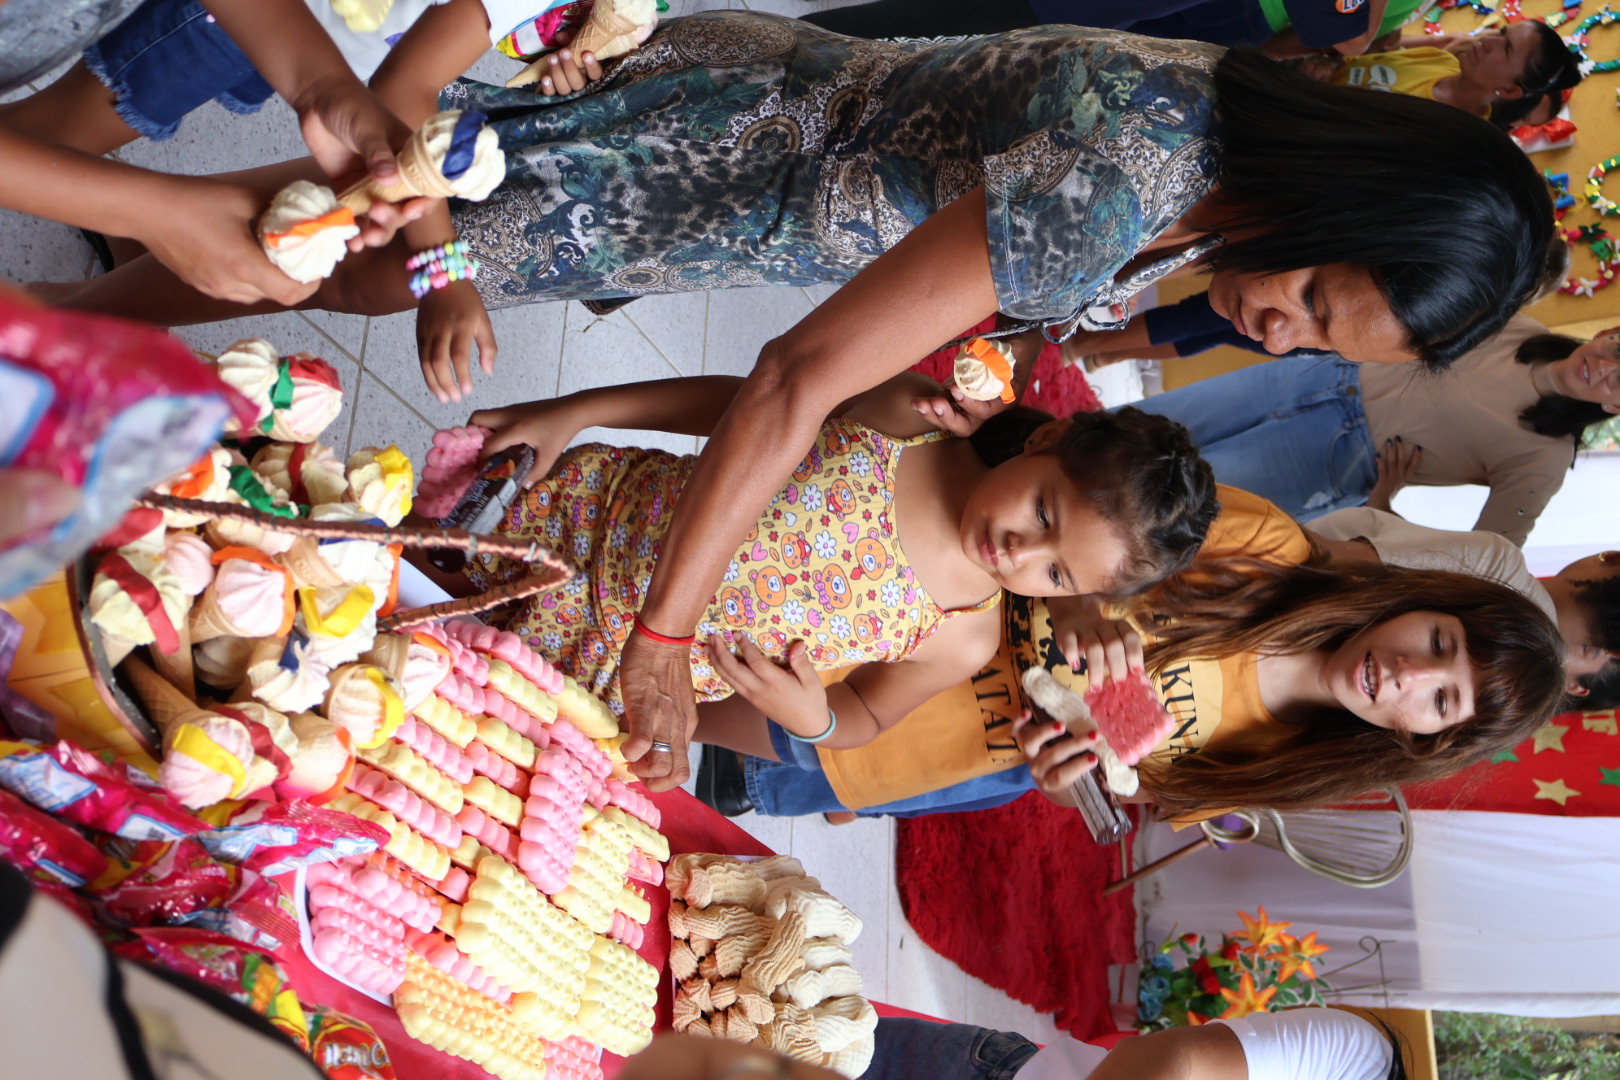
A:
(39, 844)
(241, 971)
(106, 406)
(306, 231)
(71, 783)
(274, 838)
(381, 482)
(984, 371)
(345, 1048)
(453, 154)
(309, 473)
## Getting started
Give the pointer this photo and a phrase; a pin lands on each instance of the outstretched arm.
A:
(927, 289)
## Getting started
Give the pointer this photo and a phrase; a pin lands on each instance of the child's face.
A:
(1410, 673)
(1028, 527)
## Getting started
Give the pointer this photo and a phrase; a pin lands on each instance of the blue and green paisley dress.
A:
(736, 148)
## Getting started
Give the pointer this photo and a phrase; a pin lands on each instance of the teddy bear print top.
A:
(823, 565)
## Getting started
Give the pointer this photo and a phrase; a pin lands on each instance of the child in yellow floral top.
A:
(888, 548)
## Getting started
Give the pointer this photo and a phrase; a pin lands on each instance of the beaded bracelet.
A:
(439, 266)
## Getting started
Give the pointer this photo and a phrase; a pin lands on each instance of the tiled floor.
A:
(547, 349)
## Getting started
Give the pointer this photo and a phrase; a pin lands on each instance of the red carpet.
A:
(1059, 390)
(1013, 896)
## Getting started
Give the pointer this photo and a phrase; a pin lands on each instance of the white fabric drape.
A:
(1516, 913)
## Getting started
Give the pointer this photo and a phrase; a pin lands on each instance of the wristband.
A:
(437, 267)
(663, 639)
(832, 726)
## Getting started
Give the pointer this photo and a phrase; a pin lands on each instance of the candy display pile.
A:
(498, 900)
(762, 955)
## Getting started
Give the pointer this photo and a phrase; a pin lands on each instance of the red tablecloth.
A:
(689, 825)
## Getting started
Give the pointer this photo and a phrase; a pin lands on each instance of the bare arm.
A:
(347, 129)
(1210, 1052)
(909, 301)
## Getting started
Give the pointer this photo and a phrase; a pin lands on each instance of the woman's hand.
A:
(791, 693)
(1396, 463)
(655, 681)
(548, 426)
(1057, 756)
(1110, 648)
(449, 321)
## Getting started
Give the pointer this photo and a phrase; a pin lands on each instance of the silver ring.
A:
(661, 748)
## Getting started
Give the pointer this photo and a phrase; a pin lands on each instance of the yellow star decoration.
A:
(1602, 723)
(1245, 999)
(1556, 791)
(1259, 931)
(1296, 955)
(1550, 737)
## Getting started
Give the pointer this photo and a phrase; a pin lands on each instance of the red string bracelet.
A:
(663, 639)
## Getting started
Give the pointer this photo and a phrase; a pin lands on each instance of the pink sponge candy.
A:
(573, 1059)
(626, 930)
(1130, 716)
(633, 802)
(462, 694)
(438, 750)
(645, 868)
(579, 745)
(505, 645)
(500, 706)
(450, 469)
(405, 804)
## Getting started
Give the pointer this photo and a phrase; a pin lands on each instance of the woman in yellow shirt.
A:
(1502, 75)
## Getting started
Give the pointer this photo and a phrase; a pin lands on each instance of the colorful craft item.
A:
(1581, 38)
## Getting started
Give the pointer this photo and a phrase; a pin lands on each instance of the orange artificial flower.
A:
(1246, 999)
(1260, 931)
(1297, 954)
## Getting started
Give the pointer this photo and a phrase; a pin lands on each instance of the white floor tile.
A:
(213, 140)
(348, 332)
(675, 325)
(743, 320)
(289, 334)
(40, 250)
(381, 418)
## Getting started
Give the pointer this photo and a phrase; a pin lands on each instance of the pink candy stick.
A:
(645, 868)
(455, 884)
(360, 963)
(626, 930)
(449, 470)
(327, 896)
(634, 802)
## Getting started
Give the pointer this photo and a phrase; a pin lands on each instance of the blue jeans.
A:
(169, 58)
(909, 1049)
(1290, 430)
(795, 785)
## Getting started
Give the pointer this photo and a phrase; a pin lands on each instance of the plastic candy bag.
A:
(108, 406)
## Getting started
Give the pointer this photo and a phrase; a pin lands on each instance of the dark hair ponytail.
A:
(1449, 216)
(1549, 73)
(1555, 415)
(1140, 471)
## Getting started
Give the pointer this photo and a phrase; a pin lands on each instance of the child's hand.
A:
(548, 426)
(953, 411)
(1110, 648)
(449, 321)
(564, 75)
(1057, 757)
(790, 694)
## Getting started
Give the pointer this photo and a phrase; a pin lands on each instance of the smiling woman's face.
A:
(1410, 673)
(1591, 372)
(1334, 308)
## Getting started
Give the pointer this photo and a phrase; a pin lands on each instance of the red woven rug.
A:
(1013, 896)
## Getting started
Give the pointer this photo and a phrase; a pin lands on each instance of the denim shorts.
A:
(169, 58)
